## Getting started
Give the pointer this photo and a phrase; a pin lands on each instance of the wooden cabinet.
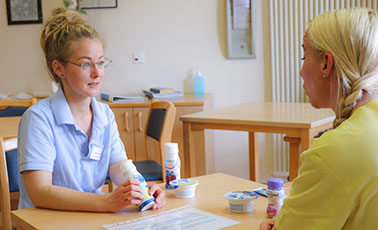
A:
(131, 119)
(131, 123)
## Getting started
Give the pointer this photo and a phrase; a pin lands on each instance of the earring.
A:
(62, 76)
(324, 76)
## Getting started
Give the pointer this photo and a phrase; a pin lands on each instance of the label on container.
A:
(275, 201)
(172, 171)
(148, 199)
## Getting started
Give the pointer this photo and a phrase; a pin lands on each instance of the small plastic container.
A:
(129, 171)
(185, 188)
(172, 163)
(276, 195)
(241, 201)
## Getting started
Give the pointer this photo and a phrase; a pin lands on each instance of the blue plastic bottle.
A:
(199, 87)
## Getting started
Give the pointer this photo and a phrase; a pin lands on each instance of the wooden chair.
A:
(158, 131)
(4, 103)
(8, 142)
(10, 115)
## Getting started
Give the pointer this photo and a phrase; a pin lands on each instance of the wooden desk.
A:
(209, 197)
(299, 121)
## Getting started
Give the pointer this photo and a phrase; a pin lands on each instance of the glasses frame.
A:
(82, 67)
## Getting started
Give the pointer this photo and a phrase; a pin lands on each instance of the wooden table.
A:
(209, 197)
(299, 121)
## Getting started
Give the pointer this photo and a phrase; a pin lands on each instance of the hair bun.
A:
(66, 15)
(59, 10)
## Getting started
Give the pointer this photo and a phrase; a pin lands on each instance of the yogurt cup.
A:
(184, 188)
(241, 201)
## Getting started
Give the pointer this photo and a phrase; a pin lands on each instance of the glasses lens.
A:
(106, 62)
(86, 66)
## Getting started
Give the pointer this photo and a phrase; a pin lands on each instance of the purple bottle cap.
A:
(275, 183)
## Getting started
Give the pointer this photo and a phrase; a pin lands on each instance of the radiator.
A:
(288, 21)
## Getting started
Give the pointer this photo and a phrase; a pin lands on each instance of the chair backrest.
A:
(17, 102)
(10, 115)
(8, 142)
(159, 127)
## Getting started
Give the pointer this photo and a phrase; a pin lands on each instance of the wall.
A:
(175, 36)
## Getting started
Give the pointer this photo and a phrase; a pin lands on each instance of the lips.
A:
(94, 84)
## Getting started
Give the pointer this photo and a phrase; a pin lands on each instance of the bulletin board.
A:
(241, 29)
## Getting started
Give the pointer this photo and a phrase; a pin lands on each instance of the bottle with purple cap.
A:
(276, 195)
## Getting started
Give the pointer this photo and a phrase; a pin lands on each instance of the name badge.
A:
(96, 152)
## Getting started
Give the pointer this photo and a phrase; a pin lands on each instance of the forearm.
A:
(115, 173)
(60, 198)
(44, 194)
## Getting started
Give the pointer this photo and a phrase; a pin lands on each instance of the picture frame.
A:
(24, 12)
(98, 4)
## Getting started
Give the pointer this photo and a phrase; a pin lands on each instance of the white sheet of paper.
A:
(241, 14)
(181, 218)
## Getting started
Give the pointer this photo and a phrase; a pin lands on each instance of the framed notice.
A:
(24, 12)
(241, 29)
(98, 4)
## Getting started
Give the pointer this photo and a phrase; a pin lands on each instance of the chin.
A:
(314, 104)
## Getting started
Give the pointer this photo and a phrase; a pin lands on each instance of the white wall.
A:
(175, 36)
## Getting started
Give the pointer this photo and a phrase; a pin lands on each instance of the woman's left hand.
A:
(159, 195)
(267, 225)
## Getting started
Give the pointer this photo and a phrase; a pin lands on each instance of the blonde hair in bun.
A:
(59, 32)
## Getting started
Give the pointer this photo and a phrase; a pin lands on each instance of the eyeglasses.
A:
(87, 66)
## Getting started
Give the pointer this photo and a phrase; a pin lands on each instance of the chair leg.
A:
(110, 186)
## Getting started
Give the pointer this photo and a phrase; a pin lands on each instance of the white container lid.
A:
(171, 148)
(241, 195)
(184, 182)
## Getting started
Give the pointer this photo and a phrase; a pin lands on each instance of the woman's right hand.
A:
(127, 193)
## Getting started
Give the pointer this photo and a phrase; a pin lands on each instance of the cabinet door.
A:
(124, 119)
(140, 119)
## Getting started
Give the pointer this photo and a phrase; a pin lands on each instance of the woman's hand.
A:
(159, 195)
(128, 193)
(267, 224)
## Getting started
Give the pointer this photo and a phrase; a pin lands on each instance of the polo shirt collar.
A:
(99, 118)
(61, 109)
(63, 114)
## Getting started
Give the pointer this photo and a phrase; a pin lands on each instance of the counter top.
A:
(186, 100)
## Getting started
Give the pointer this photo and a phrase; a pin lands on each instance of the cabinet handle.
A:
(140, 129)
(127, 121)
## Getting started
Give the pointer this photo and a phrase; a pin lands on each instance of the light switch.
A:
(138, 58)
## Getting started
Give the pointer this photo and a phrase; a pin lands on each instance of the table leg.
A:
(295, 146)
(189, 155)
(253, 157)
(306, 139)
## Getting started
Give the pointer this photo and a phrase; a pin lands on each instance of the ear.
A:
(327, 64)
(58, 68)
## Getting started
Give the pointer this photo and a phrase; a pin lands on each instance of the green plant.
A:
(74, 5)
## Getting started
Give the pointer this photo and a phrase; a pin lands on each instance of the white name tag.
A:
(96, 152)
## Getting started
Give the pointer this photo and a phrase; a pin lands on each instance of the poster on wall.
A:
(24, 12)
(98, 4)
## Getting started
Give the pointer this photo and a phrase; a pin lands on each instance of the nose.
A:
(95, 71)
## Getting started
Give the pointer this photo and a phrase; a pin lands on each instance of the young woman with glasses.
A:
(68, 143)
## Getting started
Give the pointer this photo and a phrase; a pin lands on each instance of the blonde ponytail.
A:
(351, 36)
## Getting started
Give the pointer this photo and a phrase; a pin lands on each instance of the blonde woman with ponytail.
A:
(337, 183)
(68, 143)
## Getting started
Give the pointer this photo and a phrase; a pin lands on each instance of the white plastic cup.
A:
(185, 188)
(241, 201)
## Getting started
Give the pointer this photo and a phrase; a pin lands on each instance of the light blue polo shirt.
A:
(50, 140)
